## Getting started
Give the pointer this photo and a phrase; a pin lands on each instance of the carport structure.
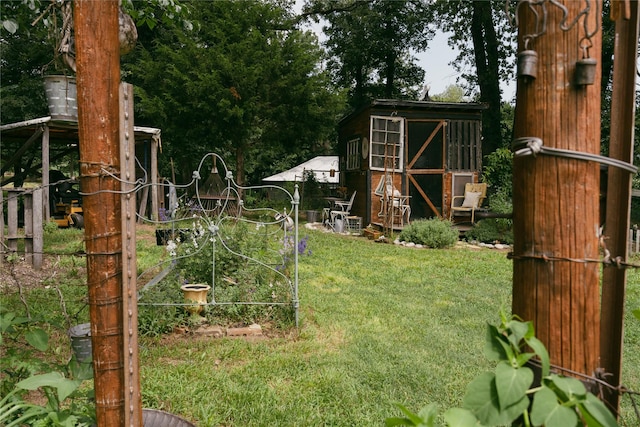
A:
(36, 144)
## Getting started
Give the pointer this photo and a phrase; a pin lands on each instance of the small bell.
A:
(585, 73)
(528, 64)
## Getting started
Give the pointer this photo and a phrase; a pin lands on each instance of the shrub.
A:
(488, 231)
(433, 233)
(494, 229)
(50, 227)
(498, 170)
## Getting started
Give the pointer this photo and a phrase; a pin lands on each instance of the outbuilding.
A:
(407, 159)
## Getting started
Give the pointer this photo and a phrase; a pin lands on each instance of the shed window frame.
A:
(464, 150)
(386, 132)
(353, 154)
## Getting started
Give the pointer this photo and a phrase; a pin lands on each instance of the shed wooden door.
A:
(425, 168)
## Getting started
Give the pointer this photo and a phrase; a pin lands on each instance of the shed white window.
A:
(353, 154)
(387, 143)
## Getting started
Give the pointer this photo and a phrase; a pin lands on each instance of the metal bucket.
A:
(62, 97)
(81, 341)
(312, 216)
(528, 64)
(585, 71)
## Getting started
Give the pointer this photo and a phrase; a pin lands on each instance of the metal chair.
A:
(343, 212)
(401, 208)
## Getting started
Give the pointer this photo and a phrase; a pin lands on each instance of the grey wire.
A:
(532, 146)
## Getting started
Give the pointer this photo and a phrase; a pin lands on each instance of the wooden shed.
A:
(421, 151)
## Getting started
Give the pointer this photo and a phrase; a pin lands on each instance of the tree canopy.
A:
(370, 45)
(244, 83)
(238, 78)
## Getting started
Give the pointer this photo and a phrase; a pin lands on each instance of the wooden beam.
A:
(154, 178)
(98, 83)
(618, 193)
(18, 154)
(45, 173)
(556, 209)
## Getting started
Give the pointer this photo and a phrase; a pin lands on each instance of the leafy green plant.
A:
(497, 171)
(249, 265)
(490, 230)
(503, 397)
(50, 227)
(433, 233)
(25, 368)
(156, 318)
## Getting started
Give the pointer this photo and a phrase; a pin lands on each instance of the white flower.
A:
(171, 247)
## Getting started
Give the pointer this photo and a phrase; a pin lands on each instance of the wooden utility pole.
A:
(98, 80)
(556, 209)
(625, 14)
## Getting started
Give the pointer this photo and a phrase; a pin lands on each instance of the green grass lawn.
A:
(378, 324)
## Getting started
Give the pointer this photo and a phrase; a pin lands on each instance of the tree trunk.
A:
(485, 46)
(556, 209)
(98, 79)
(390, 75)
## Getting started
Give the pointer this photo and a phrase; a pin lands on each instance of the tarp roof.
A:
(320, 165)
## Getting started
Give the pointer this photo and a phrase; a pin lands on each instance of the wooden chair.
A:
(474, 195)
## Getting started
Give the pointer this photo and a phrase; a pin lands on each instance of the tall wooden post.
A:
(556, 198)
(98, 80)
(626, 16)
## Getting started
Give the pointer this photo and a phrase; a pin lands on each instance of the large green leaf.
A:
(482, 399)
(512, 384)
(636, 313)
(6, 321)
(595, 413)
(547, 411)
(460, 417)
(519, 331)
(493, 350)
(38, 339)
(63, 385)
(428, 414)
(538, 347)
(567, 389)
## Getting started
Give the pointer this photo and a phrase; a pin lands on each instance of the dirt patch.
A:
(18, 273)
